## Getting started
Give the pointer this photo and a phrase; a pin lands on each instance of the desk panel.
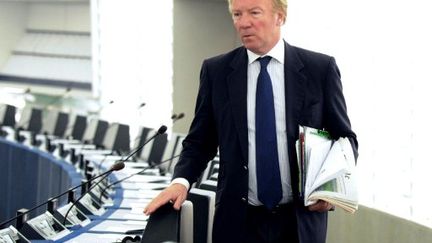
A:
(30, 176)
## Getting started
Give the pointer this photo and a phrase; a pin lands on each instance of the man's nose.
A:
(244, 21)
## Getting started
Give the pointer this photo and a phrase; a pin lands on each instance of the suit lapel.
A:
(237, 90)
(295, 82)
(294, 90)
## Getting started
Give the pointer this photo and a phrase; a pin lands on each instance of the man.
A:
(250, 104)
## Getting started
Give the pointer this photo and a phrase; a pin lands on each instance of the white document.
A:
(329, 170)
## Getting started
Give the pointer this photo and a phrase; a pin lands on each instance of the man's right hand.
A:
(176, 194)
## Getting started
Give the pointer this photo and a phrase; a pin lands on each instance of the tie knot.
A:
(264, 61)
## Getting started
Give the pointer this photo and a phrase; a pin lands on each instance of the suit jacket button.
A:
(244, 199)
(245, 167)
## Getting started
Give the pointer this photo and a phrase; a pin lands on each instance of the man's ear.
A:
(280, 19)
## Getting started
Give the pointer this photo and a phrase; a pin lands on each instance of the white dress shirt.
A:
(275, 69)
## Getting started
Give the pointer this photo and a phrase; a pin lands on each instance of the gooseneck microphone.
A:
(115, 167)
(178, 117)
(103, 106)
(134, 174)
(141, 105)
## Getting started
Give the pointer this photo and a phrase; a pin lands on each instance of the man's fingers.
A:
(179, 202)
(156, 203)
(176, 193)
(320, 206)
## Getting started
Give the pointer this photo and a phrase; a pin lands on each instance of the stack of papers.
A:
(327, 169)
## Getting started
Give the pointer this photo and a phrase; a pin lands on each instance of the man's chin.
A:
(252, 48)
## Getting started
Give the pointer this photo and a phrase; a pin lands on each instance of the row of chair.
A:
(102, 134)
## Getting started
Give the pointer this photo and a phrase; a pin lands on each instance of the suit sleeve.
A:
(336, 118)
(200, 145)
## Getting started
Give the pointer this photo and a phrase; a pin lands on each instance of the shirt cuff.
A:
(182, 181)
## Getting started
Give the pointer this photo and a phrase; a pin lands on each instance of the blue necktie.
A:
(267, 162)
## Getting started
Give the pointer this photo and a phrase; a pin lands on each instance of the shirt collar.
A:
(277, 52)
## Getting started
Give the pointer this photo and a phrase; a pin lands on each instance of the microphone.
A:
(115, 167)
(102, 107)
(141, 105)
(174, 116)
(178, 117)
(134, 174)
(118, 166)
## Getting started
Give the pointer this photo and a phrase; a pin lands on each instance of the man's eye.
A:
(255, 13)
(236, 14)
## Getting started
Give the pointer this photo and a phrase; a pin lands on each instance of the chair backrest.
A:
(140, 139)
(209, 170)
(55, 123)
(31, 119)
(7, 115)
(117, 138)
(186, 222)
(157, 149)
(145, 151)
(79, 127)
(95, 132)
(177, 151)
(209, 185)
(163, 225)
(168, 154)
(203, 207)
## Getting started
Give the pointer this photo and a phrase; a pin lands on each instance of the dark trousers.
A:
(271, 226)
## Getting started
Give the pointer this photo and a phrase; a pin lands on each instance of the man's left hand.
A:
(321, 206)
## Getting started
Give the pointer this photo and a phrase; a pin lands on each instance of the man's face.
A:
(257, 24)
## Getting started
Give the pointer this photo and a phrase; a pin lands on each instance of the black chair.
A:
(117, 138)
(203, 211)
(76, 127)
(95, 132)
(143, 135)
(7, 115)
(31, 120)
(163, 225)
(55, 123)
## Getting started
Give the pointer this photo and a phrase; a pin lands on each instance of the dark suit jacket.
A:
(313, 94)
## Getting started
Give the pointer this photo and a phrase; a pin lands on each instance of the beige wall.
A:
(59, 16)
(16, 17)
(201, 29)
(13, 19)
(372, 226)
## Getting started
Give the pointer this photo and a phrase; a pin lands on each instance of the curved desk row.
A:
(29, 176)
